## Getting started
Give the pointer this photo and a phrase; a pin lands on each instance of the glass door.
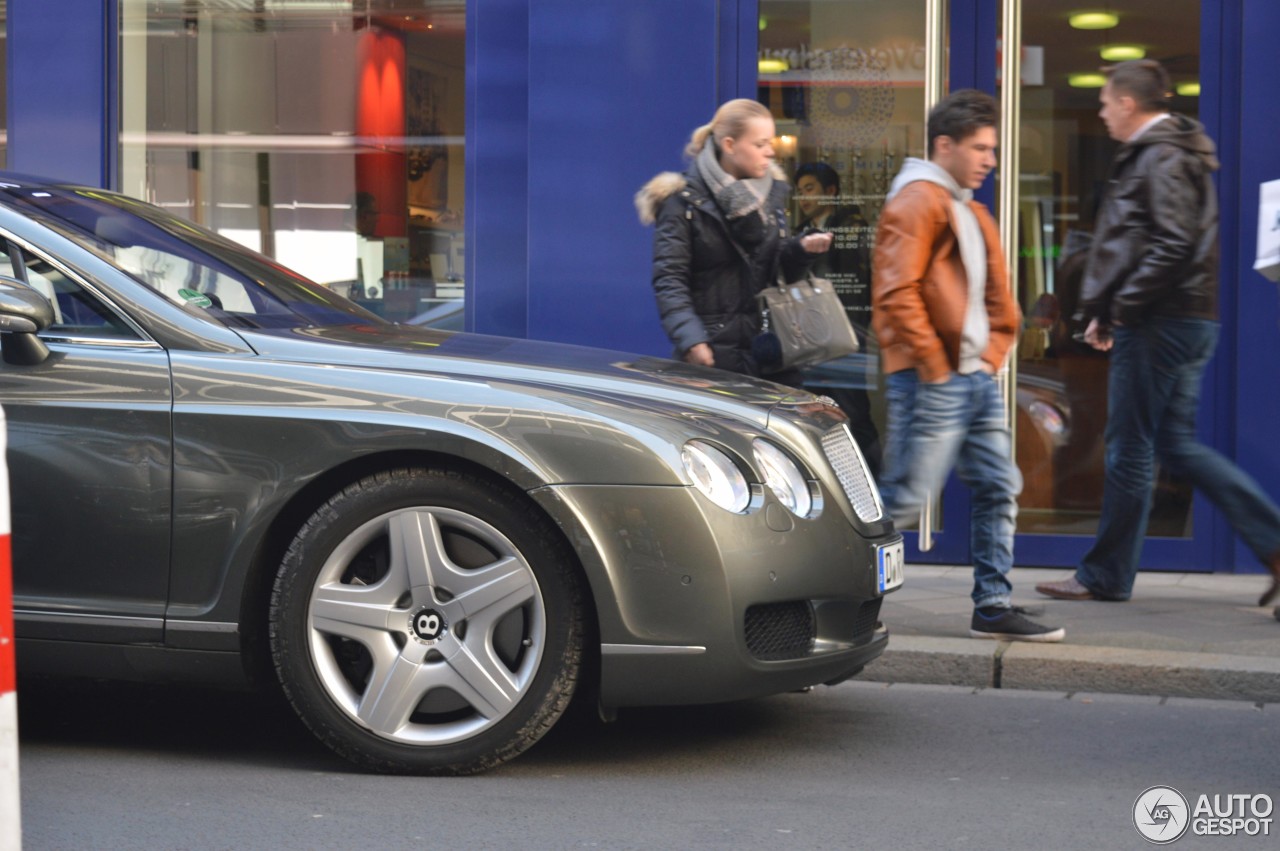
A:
(1059, 150)
(849, 83)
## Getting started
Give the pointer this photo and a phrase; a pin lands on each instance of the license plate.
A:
(889, 562)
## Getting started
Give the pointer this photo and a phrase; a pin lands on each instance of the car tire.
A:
(428, 621)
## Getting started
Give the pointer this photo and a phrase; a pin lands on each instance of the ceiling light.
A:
(772, 66)
(1190, 89)
(1086, 81)
(1094, 20)
(1122, 52)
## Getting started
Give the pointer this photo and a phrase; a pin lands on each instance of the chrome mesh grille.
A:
(777, 631)
(851, 469)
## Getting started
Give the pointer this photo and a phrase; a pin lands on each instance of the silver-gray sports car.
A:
(431, 541)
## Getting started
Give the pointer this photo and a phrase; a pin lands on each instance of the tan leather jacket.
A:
(919, 288)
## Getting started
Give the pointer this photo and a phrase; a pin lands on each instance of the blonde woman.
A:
(721, 236)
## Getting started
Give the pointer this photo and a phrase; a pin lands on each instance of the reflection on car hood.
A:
(532, 362)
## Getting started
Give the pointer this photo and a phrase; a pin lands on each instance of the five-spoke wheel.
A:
(427, 621)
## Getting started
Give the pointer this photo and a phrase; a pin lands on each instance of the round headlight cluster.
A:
(716, 476)
(784, 478)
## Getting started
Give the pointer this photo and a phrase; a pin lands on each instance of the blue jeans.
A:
(933, 427)
(1152, 394)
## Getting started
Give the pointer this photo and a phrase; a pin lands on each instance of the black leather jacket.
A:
(705, 282)
(1155, 247)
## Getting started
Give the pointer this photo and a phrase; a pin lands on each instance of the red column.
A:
(380, 126)
(10, 828)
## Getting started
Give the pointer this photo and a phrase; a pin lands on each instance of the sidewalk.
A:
(1182, 635)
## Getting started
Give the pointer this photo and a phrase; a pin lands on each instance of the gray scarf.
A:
(737, 198)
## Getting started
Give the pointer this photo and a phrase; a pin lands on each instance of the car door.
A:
(90, 467)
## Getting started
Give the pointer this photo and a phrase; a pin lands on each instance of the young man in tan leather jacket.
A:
(946, 320)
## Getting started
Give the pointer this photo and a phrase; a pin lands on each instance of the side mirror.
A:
(23, 314)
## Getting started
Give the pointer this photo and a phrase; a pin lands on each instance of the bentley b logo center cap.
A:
(427, 626)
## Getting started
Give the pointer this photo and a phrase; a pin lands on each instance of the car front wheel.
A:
(428, 621)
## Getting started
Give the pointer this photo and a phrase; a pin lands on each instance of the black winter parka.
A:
(1155, 246)
(705, 282)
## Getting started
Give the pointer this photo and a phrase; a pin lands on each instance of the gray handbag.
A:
(804, 324)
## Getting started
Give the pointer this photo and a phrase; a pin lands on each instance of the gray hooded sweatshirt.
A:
(973, 253)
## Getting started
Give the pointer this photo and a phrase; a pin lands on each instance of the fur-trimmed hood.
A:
(652, 195)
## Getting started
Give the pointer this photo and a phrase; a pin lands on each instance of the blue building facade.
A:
(564, 108)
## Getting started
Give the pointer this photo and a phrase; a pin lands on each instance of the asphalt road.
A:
(860, 765)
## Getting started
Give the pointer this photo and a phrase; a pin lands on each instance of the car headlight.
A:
(784, 478)
(716, 476)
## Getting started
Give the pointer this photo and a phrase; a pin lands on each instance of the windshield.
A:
(186, 263)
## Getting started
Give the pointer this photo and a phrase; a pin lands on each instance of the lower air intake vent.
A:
(777, 631)
(865, 622)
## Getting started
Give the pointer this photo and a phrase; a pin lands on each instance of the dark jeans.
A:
(1153, 392)
(741, 360)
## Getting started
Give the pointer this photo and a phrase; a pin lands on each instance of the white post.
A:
(10, 811)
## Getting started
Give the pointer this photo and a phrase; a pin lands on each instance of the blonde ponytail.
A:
(697, 140)
(729, 122)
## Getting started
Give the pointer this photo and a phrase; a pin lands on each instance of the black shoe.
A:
(1009, 624)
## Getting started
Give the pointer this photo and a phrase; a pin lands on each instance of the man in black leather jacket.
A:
(1150, 298)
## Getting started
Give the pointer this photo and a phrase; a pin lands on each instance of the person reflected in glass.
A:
(369, 248)
(848, 267)
(1150, 298)
(848, 264)
(721, 236)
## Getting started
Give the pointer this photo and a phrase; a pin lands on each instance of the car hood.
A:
(534, 363)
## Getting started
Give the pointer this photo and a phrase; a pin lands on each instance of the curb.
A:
(1076, 668)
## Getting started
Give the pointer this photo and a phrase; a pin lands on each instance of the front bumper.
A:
(698, 605)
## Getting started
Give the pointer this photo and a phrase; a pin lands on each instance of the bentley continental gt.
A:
(430, 541)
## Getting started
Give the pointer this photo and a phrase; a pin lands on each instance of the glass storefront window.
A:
(326, 134)
(845, 80)
(846, 84)
(1064, 158)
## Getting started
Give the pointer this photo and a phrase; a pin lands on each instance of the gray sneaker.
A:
(1011, 625)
